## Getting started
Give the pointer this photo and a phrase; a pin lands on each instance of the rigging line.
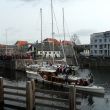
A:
(52, 27)
(52, 34)
(72, 44)
(59, 34)
(56, 22)
(64, 35)
(41, 36)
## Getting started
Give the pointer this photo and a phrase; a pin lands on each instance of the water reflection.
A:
(102, 78)
(13, 75)
(90, 100)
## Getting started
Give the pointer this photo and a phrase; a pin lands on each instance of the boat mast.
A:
(41, 35)
(52, 28)
(74, 52)
(64, 35)
(63, 24)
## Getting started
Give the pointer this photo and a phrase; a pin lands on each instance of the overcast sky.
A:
(21, 19)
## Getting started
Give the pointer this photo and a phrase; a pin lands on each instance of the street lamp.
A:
(6, 36)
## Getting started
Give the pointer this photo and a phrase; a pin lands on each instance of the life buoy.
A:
(45, 77)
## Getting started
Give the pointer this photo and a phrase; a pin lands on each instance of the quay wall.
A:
(20, 64)
(15, 64)
(94, 63)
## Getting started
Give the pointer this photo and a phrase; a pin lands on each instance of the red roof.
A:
(51, 40)
(65, 42)
(56, 42)
(21, 43)
(2, 45)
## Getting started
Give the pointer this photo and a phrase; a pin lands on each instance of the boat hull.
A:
(89, 88)
(92, 88)
(33, 75)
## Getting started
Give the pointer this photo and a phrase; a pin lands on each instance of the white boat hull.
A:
(91, 88)
(33, 75)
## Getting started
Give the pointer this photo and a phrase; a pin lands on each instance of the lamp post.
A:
(6, 36)
(6, 41)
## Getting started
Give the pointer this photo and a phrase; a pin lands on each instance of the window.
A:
(105, 40)
(45, 52)
(100, 46)
(100, 51)
(105, 52)
(95, 40)
(40, 52)
(95, 51)
(95, 46)
(105, 45)
(100, 40)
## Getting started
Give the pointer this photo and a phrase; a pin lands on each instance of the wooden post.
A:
(72, 97)
(29, 96)
(1, 94)
(33, 90)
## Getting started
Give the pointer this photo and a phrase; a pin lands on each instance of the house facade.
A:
(48, 51)
(100, 44)
(7, 49)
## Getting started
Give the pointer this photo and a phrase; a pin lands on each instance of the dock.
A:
(37, 94)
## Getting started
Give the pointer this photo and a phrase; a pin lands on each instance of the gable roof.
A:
(65, 42)
(51, 40)
(21, 43)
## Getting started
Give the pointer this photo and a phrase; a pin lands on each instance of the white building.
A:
(50, 54)
(48, 51)
(100, 44)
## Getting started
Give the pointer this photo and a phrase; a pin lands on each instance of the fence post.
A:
(33, 90)
(1, 94)
(29, 96)
(72, 97)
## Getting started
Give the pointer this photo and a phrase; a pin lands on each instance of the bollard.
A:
(29, 96)
(72, 97)
(33, 90)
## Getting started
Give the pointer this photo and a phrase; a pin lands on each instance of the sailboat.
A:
(48, 73)
(33, 69)
(54, 77)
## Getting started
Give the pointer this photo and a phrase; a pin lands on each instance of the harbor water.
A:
(88, 102)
